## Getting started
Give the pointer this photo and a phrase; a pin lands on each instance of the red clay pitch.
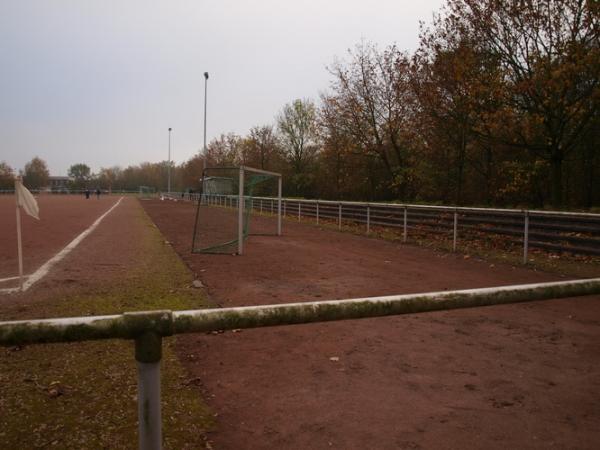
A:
(517, 376)
(62, 218)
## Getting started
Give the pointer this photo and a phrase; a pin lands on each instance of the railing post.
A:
(455, 230)
(405, 233)
(340, 217)
(525, 237)
(148, 353)
(279, 206)
(299, 210)
(317, 212)
(368, 219)
(241, 202)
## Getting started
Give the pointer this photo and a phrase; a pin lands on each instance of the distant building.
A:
(59, 183)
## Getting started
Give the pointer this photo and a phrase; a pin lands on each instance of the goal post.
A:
(229, 197)
(147, 192)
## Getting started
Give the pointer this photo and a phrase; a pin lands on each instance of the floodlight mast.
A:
(205, 93)
(169, 166)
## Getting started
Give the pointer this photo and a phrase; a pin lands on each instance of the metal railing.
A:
(577, 233)
(68, 191)
(148, 328)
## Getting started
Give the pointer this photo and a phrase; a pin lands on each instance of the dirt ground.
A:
(123, 265)
(62, 218)
(517, 376)
(105, 255)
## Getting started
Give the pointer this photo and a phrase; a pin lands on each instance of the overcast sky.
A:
(100, 82)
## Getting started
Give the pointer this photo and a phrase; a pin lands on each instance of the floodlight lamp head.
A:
(206, 75)
(170, 128)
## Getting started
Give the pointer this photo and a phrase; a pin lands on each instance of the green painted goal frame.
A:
(243, 179)
(147, 192)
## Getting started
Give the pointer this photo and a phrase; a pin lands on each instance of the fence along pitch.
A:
(147, 328)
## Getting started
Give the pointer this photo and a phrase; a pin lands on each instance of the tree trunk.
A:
(461, 167)
(556, 184)
(488, 174)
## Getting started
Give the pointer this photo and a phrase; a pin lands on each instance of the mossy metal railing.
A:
(148, 328)
(395, 216)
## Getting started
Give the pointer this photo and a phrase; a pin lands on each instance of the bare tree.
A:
(36, 174)
(261, 147)
(7, 176)
(372, 100)
(297, 125)
(549, 51)
(223, 151)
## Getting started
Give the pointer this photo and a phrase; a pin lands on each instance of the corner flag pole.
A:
(19, 244)
(26, 201)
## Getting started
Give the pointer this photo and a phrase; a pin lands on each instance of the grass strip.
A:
(84, 395)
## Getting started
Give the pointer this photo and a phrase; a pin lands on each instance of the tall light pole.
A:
(169, 166)
(205, 90)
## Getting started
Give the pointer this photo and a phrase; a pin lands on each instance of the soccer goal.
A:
(229, 197)
(147, 192)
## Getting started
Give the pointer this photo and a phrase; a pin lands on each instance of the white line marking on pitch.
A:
(45, 268)
(2, 280)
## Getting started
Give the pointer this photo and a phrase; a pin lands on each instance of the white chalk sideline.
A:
(45, 268)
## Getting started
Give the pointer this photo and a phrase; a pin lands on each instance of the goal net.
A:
(147, 192)
(234, 203)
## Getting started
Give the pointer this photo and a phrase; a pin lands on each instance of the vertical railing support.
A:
(279, 189)
(405, 233)
(455, 230)
(317, 212)
(340, 216)
(525, 237)
(299, 211)
(241, 213)
(368, 219)
(148, 353)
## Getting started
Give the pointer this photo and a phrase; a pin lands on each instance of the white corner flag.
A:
(26, 201)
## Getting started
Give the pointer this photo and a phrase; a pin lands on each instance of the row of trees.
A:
(35, 174)
(499, 105)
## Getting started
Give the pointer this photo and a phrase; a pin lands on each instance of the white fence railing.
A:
(148, 328)
(574, 232)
